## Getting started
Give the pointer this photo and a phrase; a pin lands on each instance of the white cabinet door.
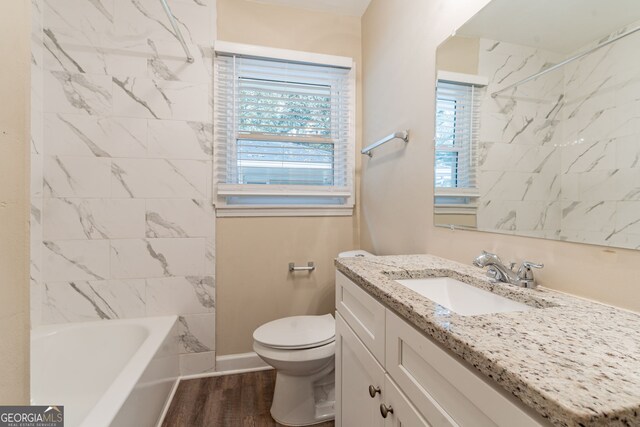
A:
(364, 315)
(447, 392)
(399, 412)
(356, 371)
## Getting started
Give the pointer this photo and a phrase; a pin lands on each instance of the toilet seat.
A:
(296, 333)
(295, 355)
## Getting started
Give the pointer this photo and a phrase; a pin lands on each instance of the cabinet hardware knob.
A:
(373, 391)
(385, 410)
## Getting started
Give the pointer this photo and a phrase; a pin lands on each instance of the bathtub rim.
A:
(159, 329)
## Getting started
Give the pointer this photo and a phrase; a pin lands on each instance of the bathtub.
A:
(106, 373)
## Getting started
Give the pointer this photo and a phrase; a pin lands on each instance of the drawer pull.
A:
(373, 391)
(385, 410)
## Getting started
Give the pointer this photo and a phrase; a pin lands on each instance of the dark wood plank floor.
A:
(241, 400)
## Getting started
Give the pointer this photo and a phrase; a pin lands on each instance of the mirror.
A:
(538, 122)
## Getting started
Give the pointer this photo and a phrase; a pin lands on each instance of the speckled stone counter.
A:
(575, 362)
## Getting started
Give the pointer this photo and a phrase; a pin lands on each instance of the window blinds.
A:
(281, 129)
(457, 132)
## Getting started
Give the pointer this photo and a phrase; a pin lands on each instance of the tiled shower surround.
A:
(122, 216)
(519, 138)
(559, 156)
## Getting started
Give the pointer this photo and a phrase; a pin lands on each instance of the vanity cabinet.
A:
(404, 413)
(360, 384)
(357, 371)
(413, 380)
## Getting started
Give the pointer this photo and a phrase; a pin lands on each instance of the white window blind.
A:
(282, 132)
(456, 142)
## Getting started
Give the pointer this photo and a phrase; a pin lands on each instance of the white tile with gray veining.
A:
(159, 178)
(588, 216)
(159, 99)
(80, 301)
(77, 93)
(192, 294)
(167, 62)
(196, 333)
(519, 134)
(94, 219)
(197, 363)
(77, 177)
(73, 51)
(137, 19)
(35, 219)
(121, 165)
(36, 175)
(91, 136)
(600, 164)
(196, 140)
(567, 139)
(66, 260)
(575, 362)
(154, 258)
(210, 256)
(87, 16)
(179, 218)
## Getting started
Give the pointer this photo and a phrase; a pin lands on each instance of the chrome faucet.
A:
(501, 273)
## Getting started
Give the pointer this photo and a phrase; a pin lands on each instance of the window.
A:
(456, 141)
(283, 132)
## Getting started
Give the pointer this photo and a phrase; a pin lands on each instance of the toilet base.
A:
(304, 400)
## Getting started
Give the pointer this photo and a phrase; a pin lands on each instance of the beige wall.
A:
(399, 45)
(14, 166)
(459, 54)
(253, 284)
(457, 219)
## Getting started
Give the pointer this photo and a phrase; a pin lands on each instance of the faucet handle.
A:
(530, 265)
(526, 275)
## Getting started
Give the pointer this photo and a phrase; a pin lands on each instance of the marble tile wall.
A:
(559, 157)
(520, 131)
(122, 217)
(600, 167)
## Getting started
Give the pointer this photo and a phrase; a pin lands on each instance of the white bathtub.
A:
(107, 373)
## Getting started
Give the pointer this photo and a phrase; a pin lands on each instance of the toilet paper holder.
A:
(309, 267)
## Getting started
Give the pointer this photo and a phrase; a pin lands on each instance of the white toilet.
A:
(302, 350)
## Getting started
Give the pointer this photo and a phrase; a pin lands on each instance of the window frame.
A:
(225, 209)
(462, 199)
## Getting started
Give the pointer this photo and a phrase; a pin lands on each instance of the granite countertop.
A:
(574, 361)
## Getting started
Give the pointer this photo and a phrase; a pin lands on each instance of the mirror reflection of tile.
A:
(557, 156)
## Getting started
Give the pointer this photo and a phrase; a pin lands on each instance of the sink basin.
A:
(463, 299)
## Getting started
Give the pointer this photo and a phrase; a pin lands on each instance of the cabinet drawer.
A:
(444, 388)
(363, 313)
(356, 370)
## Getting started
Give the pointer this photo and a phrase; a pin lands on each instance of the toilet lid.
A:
(297, 332)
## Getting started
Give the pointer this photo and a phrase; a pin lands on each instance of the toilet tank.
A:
(356, 253)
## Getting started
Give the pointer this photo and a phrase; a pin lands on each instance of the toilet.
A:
(302, 351)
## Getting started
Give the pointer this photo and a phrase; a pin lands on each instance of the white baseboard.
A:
(233, 364)
(241, 361)
(223, 373)
(168, 402)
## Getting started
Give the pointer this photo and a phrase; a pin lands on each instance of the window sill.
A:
(281, 211)
(455, 209)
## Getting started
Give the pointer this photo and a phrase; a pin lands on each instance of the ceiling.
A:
(558, 25)
(341, 7)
